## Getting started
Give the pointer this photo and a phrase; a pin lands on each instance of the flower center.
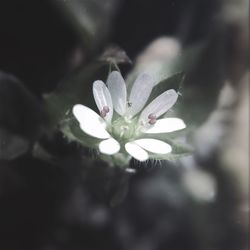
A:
(123, 128)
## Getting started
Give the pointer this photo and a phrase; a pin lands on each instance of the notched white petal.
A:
(160, 105)
(90, 122)
(136, 151)
(140, 93)
(109, 146)
(103, 99)
(118, 91)
(165, 125)
(154, 146)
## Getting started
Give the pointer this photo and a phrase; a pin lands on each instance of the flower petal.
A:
(140, 93)
(109, 146)
(136, 151)
(160, 105)
(103, 98)
(118, 91)
(90, 122)
(165, 125)
(154, 146)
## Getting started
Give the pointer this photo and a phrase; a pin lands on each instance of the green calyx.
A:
(124, 129)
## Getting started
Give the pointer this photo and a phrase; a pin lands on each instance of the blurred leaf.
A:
(12, 145)
(39, 152)
(121, 191)
(160, 71)
(202, 85)
(170, 156)
(21, 117)
(91, 18)
(115, 55)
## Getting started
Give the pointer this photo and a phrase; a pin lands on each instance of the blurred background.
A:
(54, 195)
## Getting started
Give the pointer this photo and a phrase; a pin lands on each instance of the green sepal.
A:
(168, 157)
(176, 140)
(120, 159)
(179, 151)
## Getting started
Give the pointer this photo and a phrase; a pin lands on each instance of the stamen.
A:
(152, 121)
(152, 116)
(106, 109)
(124, 129)
(103, 113)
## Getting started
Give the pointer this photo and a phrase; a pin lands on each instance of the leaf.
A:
(121, 191)
(178, 144)
(22, 119)
(12, 145)
(115, 55)
(169, 157)
(160, 71)
(91, 18)
(178, 151)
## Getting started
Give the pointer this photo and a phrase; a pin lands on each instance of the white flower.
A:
(123, 130)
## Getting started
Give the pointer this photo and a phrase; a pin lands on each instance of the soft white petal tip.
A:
(118, 91)
(136, 151)
(154, 146)
(165, 125)
(109, 146)
(90, 122)
(171, 92)
(77, 110)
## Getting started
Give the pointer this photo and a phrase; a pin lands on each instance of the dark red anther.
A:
(103, 113)
(152, 121)
(152, 116)
(106, 109)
